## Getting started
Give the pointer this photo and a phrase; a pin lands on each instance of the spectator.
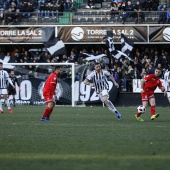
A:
(55, 10)
(138, 12)
(151, 68)
(136, 73)
(1, 15)
(9, 16)
(168, 16)
(90, 4)
(162, 16)
(163, 4)
(3, 4)
(13, 7)
(41, 11)
(66, 5)
(17, 17)
(113, 9)
(47, 10)
(127, 11)
(27, 10)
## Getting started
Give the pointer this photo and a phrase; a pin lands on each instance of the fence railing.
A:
(84, 17)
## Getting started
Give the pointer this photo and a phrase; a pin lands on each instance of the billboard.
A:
(83, 34)
(26, 34)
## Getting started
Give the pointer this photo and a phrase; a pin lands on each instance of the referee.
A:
(11, 90)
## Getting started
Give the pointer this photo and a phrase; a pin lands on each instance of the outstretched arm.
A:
(112, 78)
(86, 82)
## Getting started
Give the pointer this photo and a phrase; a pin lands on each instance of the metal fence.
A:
(84, 17)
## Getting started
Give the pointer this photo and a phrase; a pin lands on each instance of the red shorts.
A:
(48, 98)
(146, 96)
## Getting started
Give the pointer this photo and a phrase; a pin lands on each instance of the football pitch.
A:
(84, 138)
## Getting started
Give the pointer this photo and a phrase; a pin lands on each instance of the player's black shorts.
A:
(11, 92)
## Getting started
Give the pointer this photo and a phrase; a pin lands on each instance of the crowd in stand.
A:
(16, 9)
(145, 60)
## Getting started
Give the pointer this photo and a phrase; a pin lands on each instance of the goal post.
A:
(10, 66)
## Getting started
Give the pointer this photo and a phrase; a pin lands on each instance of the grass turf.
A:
(83, 138)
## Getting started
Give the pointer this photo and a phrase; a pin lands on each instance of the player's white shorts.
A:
(168, 94)
(102, 94)
(3, 91)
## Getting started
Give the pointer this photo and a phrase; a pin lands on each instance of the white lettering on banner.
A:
(115, 32)
(85, 92)
(97, 32)
(8, 33)
(26, 89)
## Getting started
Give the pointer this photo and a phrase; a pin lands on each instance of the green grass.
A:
(84, 138)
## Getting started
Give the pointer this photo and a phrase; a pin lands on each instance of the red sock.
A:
(152, 110)
(50, 112)
(46, 112)
(138, 114)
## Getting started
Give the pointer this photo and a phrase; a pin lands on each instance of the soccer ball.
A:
(141, 109)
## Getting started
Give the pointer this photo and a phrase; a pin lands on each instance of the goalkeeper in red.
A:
(49, 92)
(148, 86)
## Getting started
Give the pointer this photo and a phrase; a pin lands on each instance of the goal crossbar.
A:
(52, 64)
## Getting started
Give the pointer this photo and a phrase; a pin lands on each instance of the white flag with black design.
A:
(93, 57)
(55, 46)
(126, 45)
(118, 54)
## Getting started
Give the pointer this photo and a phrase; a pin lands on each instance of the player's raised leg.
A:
(104, 98)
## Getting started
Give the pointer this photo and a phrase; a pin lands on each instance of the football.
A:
(141, 109)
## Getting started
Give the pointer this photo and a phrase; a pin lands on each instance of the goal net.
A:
(32, 76)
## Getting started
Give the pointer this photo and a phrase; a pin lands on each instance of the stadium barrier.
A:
(82, 17)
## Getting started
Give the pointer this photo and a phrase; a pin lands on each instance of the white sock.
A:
(111, 107)
(8, 104)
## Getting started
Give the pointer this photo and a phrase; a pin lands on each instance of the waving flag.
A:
(55, 46)
(126, 45)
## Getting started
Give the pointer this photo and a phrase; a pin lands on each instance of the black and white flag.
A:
(126, 45)
(118, 54)
(109, 41)
(55, 46)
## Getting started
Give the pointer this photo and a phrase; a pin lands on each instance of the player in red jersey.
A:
(148, 86)
(49, 92)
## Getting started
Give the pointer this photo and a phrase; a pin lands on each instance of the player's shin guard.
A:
(111, 107)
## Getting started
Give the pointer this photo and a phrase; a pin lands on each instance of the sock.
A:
(7, 103)
(46, 112)
(50, 112)
(138, 114)
(1, 105)
(13, 101)
(152, 110)
(112, 108)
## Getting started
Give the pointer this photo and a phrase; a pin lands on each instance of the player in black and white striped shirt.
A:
(101, 85)
(167, 84)
(4, 77)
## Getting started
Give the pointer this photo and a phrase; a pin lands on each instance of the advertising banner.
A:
(31, 93)
(25, 34)
(83, 34)
(159, 34)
